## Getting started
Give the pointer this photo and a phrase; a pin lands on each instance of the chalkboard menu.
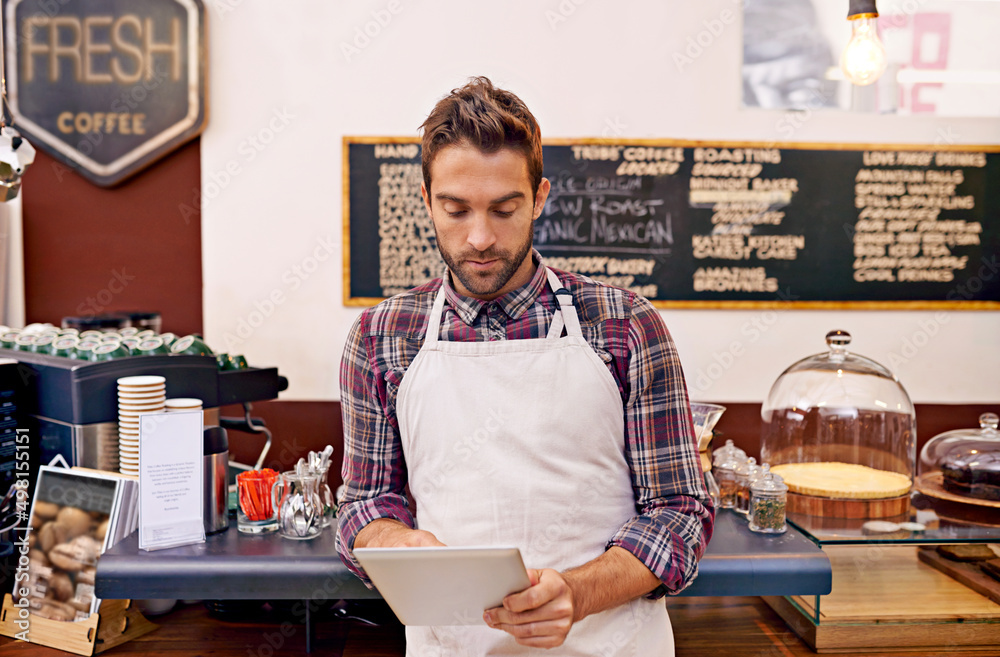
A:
(699, 224)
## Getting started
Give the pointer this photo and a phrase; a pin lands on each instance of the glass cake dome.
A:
(964, 462)
(839, 425)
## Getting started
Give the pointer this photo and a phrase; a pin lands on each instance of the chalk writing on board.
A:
(696, 223)
(620, 272)
(408, 254)
(739, 187)
(608, 213)
(903, 232)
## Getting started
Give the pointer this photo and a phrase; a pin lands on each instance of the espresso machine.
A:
(71, 406)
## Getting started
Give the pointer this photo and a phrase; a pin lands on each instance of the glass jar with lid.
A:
(725, 451)
(725, 475)
(745, 472)
(964, 462)
(840, 429)
(767, 504)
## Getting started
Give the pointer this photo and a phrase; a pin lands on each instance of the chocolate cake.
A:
(974, 474)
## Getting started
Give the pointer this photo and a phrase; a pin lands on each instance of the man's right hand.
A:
(386, 532)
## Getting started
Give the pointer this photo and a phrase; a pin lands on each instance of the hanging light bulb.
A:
(863, 59)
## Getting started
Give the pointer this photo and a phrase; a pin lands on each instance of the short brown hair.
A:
(486, 117)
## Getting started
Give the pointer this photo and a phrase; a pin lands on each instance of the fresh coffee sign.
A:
(106, 86)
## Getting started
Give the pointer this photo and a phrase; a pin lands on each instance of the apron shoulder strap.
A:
(567, 311)
(434, 320)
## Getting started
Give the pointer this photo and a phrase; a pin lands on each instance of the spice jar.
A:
(746, 474)
(725, 475)
(767, 504)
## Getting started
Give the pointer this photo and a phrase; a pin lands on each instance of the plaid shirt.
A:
(675, 515)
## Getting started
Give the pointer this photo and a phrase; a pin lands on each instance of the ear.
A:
(427, 199)
(540, 196)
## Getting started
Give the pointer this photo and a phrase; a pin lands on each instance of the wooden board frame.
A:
(966, 305)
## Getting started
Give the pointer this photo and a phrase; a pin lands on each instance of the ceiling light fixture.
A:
(863, 59)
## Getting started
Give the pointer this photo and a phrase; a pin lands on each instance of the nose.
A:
(481, 234)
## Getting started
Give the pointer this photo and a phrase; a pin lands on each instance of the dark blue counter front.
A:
(741, 562)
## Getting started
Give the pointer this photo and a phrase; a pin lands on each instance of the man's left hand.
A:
(539, 616)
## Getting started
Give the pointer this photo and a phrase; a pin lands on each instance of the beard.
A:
(485, 284)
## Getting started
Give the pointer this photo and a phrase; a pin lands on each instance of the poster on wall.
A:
(941, 58)
(716, 224)
(105, 87)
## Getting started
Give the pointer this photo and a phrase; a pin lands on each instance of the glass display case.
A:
(840, 429)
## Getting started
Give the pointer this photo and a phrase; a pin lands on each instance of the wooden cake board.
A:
(117, 621)
(829, 507)
(968, 573)
(884, 597)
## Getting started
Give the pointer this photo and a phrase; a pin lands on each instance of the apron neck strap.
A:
(567, 312)
(564, 316)
(434, 320)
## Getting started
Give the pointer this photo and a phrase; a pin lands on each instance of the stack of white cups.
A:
(136, 395)
(182, 404)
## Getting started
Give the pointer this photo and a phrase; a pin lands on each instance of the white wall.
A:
(281, 73)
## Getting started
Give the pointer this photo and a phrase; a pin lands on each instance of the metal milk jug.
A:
(300, 508)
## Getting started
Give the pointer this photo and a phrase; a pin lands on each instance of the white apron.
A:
(521, 442)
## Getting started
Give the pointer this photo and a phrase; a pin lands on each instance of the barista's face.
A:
(483, 209)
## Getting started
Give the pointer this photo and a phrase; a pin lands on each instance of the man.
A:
(578, 449)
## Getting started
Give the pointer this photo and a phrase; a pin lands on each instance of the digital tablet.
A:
(444, 585)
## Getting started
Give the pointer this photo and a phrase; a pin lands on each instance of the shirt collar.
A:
(514, 303)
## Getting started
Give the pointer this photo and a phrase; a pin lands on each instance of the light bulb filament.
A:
(864, 59)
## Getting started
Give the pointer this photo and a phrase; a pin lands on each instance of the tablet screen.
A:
(444, 585)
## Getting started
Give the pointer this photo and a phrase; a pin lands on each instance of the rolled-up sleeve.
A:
(675, 516)
(374, 470)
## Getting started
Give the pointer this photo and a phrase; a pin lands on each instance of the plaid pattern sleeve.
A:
(676, 515)
(374, 471)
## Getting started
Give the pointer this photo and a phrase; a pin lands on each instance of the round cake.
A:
(975, 474)
(842, 480)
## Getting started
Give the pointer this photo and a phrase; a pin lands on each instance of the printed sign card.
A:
(170, 480)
